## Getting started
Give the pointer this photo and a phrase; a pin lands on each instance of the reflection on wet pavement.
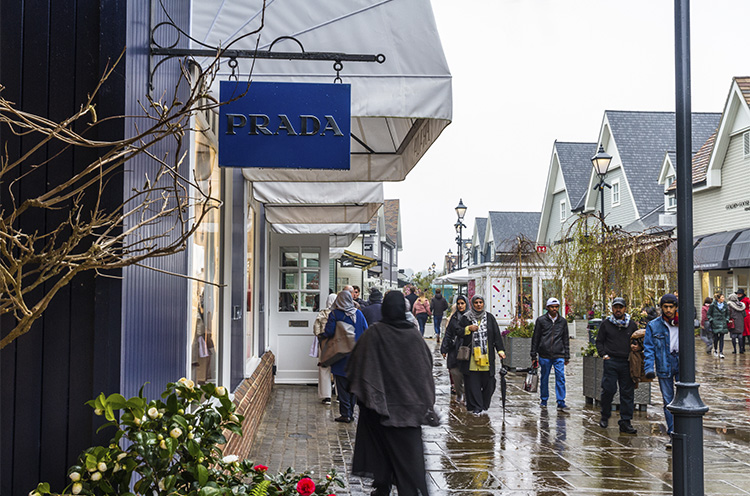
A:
(534, 450)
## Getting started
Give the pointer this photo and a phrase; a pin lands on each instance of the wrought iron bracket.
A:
(160, 54)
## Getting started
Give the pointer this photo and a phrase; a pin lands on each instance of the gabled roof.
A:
(744, 85)
(575, 163)
(480, 228)
(642, 139)
(507, 226)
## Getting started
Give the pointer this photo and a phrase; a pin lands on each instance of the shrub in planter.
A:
(170, 446)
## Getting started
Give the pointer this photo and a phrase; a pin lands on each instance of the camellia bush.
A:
(172, 447)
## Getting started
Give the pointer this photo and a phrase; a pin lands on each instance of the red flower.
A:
(306, 486)
(260, 468)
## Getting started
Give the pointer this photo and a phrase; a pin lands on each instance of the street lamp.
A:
(601, 162)
(460, 212)
(449, 261)
(467, 245)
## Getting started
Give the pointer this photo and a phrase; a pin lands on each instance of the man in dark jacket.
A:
(613, 345)
(551, 343)
(372, 310)
(438, 306)
(411, 295)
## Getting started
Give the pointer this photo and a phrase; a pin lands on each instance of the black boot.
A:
(627, 428)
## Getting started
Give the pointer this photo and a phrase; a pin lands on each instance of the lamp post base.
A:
(687, 452)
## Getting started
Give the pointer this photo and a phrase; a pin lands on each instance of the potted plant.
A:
(517, 338)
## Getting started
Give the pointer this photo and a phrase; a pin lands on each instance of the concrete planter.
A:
(581, 328)
(593, 370)
(517, 352)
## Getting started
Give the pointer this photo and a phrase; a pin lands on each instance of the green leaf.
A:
(108, 424)
(202, 475)
(172, 403)
(169, 482)
(43, 488)
(117, 401)
(91, 461)
(193, 448)
(171, 445)
(210, 491)
(109, 414)
(179, 419)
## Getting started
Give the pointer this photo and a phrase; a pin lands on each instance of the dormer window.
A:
(563, 210)
(668, 182)
(672, 202)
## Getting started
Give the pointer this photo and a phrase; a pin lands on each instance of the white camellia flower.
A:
(221, 391)
(163, 444)
(121, 456)
(190, 384)
(77, 488)
(234, 418)
(153, 412)
(34, 493)
(98, 411)
(230, 459)
(175, 433)
(96, 476)
(102, 467)
(75, 476)
(161, 485)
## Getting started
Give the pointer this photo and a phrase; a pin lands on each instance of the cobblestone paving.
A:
(529, 450)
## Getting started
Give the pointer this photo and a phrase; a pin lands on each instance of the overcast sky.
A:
(529, 72)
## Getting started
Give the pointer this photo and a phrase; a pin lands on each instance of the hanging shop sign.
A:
(285, 125)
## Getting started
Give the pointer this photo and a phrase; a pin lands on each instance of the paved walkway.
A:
(529, 450)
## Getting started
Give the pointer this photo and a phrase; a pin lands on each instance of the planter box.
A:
(517, 353)
(593, 370)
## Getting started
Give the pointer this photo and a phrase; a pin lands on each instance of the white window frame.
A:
(616, 192)
(563, 209)
(671, 202)
(746, 144)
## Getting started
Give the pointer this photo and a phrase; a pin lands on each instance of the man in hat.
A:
(613, 345)
(661, 354)
(551, 343)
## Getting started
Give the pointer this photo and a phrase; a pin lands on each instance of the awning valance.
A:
(399, 107)
(458, 277)
(321, 214)
(334, 229)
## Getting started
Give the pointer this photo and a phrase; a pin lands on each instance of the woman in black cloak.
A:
(390, 371)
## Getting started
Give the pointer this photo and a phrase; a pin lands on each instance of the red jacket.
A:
(746, 301)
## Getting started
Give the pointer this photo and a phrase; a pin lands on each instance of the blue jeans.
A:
(546, 365)
(437, 321)
(666, 384)
(422, 319)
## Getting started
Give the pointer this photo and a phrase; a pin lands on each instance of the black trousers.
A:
(617, 373)
(390, 455)
(479, 388)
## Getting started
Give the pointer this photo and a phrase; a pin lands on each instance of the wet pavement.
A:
(528, 450)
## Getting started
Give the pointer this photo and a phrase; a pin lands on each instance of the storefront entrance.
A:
(298, 284)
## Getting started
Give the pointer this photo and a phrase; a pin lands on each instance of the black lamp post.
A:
(601, 162)
(460, 212)
(687, 407)
(449, 261)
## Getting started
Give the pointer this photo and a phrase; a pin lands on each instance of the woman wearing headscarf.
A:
(421, 310)
(450, 344)
(482, 334)
(324, 373)
(390, 372)
(345, 311)
(737, 317)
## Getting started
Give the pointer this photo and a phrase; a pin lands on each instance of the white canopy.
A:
(457, 277)
(319, 203)
(345, 230)
(398, 107)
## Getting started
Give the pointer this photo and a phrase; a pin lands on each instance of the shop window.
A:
(205, 261)
(299, 280)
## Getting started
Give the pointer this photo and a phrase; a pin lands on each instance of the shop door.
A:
(298, 284)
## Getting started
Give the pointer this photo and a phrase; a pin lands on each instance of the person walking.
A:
(744, 299)
(661, 354)
(358, 301)
(390, 372)
(344, 311)
(411, 294)
(482, 334)
(421, 310)
(707, 336)
(450, 344)
(613, 345)
(438, 305)
(718, 316)
(372, 311)
(551, 344)
(324, 373)
(736, 323)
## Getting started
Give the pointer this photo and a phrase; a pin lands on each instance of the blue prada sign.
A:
(285, 125)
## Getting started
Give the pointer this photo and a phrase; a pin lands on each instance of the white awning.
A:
(399, 107)
(339, 230)
(321, 214)
(457, 277)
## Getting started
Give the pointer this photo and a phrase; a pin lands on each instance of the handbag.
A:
(730, 324)
(531, 382)
(339, 346)
(464, 353)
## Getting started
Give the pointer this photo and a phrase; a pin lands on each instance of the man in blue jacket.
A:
(661, 354)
